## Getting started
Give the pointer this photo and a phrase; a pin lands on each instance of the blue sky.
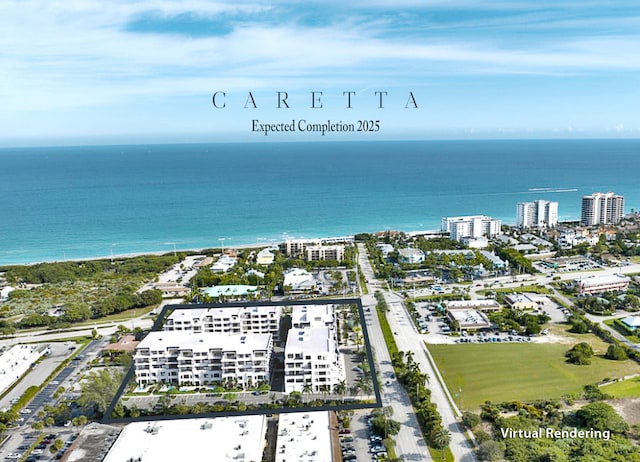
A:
(145, 71)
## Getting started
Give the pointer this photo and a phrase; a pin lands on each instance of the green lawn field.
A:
(626, 389)
(514, 371)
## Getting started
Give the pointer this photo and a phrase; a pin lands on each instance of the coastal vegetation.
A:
(605, 435)
(59, 294)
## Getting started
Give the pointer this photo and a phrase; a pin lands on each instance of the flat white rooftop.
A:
(16, 361)
(470, 318)
(304, 437)
(240, 438)
(465, 304)
(314, 315)
(203, 341)
(309, 340)
(603, 280)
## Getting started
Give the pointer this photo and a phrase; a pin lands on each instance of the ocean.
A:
(91, 201)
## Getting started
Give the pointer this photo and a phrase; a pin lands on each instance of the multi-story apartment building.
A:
(200, 359)
(473, 226)
(232, 320)
(304, 316)
(537, 214)
(312, 357)
(601, 209)
(312, 249)
(324, 252)
(297, 247)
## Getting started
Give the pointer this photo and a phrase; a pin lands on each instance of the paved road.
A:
(410, 444)
(408, 339)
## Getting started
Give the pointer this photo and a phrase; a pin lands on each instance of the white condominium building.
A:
(233, 320)
(190, 359)
(601, 209)
(537, 214)
(303, 316)
(473, 226)
(312, 357)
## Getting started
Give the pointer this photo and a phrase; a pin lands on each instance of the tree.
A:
(440, 438)
(37, 425)
(341, 388)
(470, 420)
(601, 416)
(616, 353)
(580, 354)
(532, 326)
(307, 388)
(490, 450)
(56, 445)
(98, 390)
(579, 327)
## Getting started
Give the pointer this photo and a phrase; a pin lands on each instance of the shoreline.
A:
(256, 245)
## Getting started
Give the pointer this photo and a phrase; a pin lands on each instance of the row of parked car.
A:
(346, 445)
(378, 451)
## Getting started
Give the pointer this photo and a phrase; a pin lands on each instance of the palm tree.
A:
(307, 388)
(441, 437)
(341, 388)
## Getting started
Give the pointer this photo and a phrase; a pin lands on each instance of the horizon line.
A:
(284, 141)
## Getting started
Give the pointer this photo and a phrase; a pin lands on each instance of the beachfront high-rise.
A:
(602, 209)
(537, 214)
(474, 226)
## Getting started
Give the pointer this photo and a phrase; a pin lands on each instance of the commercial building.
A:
(312, 357)
(200, 359)
(172, 289)
(537, 214)
(601, 209)
(481, 304)
(18, 360)
(521, 302)
(304, 437)
(227, 320)
(599, 284)
(473, 226)
(469, 319)
(238, 438)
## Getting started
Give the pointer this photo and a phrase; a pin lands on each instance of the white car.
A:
(13, 456)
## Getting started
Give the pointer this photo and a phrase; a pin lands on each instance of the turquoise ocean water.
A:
(77, 202)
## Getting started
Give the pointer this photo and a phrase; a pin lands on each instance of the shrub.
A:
(615, 353)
